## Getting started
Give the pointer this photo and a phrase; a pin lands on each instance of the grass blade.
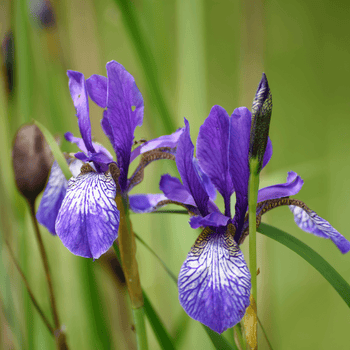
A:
(313, 258)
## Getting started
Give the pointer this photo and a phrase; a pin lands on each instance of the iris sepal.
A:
(54, 194)
(88, 220)
(214, 281)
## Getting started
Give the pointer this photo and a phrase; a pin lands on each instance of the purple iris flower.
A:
(82, 211)
(214, 281)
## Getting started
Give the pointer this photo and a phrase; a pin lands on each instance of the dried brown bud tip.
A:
(32, 161)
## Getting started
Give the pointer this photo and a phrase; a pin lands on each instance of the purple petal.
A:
(214, 281)
(80, 143)
(145, 203)
(77, 88)
(175, 190)
(162, 141)
(54, 193)
(52, 198)
(106, 127)
(77, 140)
(290, 188)
(208, 185)
(214, 219)
(88, 220)
(124, 113)
(268, 153)
(312, 223)
(212, 150)
(188, 172)
(97, 89)
(240, 123)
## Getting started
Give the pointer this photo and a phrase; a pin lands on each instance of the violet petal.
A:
(290, 188)
(88, 220)
(212, 150)
(77, 88)
(214, 281)
(240, 123)
(188, 172)
(162, 141)
(175, 190)
(214, 219)
(97, 89)
(124, 113)
(145, 203)
(312, 223)
(54, 193)
(80, 143)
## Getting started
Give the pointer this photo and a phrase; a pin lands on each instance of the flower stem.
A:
(252, 200)
(252, 203)
(59, 335)
(127, 247)
(31, 295)
(140, 327)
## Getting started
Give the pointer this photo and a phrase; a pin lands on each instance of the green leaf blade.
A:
(313, 258)
(55, 149)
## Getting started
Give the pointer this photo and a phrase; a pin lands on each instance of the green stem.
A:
(252, 198)
(60, 337)
(127, 256)
(31, 295)
(140, 328)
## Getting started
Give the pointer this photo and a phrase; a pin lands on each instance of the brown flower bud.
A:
(32, 161)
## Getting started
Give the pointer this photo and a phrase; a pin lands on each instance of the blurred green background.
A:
(185, 56)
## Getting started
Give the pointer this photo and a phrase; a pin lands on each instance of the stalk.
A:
(60, 337)
(127, 246)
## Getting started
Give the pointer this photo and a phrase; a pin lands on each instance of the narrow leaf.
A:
(147, 60)
(313, 258)
(219, 341)
(55, 149)
(160, 332)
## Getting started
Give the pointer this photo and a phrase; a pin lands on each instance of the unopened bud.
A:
(261, 117)
(32, 161)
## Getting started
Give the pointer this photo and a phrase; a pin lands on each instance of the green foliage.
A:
(185, 57)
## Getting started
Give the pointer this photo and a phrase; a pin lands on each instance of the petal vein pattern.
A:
(310, 222)
(88, 220)
(214, 281)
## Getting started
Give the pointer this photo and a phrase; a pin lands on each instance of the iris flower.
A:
(214, 281)
(82, 211)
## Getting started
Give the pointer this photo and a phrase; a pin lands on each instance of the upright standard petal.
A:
(212, 151)
(97, 89)
(240, 123)
(88, 220)
(290, 188)
(310, 222)
(188, 172)
(214, 281)
(124, 113)
(77, 88)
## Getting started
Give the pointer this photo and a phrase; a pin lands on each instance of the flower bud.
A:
(32, 161)
(261, 116)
